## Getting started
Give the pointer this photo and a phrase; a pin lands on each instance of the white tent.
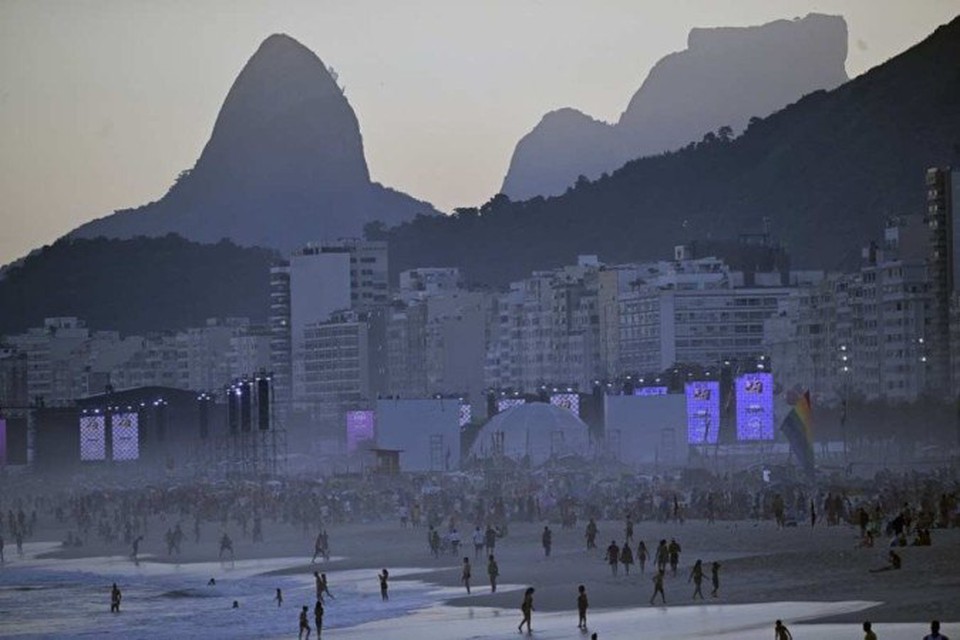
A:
(535, 430)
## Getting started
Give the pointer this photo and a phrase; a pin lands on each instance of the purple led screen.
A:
(650, 391)
(755, 406)
(125, 428)
(505, 403)
(359, 428)
(3, 442)
(93, 438)
(568, 401)
(703, 412)
(466, 414)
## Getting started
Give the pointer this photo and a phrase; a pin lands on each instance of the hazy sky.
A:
(102, 103)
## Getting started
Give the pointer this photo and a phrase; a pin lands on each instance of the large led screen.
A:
(505, 403)
(359, 428)
(703, 412)
(650, 391)
(93, 438)
(755, 406)
(568, 401)
(466, 414)
(125, 429)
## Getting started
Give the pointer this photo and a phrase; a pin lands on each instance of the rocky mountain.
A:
(284, 165)
(824, 172)
(723, 78)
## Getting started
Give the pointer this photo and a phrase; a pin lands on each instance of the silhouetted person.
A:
(935, 632)
(226, 544)
(493, 571)
(582, 605)
(318, 617)
(696, 575)
(780, 632)
(658, 587)
(868, 633)
(642, 556)
(115, 598)
(626, 557)
(526, 608)
(384, 576)
(715, 578)
(304, 625)
(279, 597)
(465, 573)
(547, 540)
(613, 556)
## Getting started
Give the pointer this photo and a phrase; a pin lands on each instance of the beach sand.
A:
(760, 564)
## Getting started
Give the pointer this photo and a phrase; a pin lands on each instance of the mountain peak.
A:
(283, 165)
(724, 77)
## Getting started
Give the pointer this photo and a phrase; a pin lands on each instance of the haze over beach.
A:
(435, 320)
(104, 103)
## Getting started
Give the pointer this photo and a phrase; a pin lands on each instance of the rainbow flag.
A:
(798, 428)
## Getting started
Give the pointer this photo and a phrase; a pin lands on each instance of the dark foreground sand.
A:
(760, 564)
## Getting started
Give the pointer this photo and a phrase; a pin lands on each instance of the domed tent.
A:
(535, 431)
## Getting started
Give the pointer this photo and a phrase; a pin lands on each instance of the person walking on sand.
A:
(591, 534)
(326, 586)
(780, 632)
(304, 625)
(465, 572)
(628, 530)
(384, 576)
(226, 544)
(493, 570)
(715, 578)
(613, 556)
(317, 548)
(582, 605)
(642, 556)
(279, 598)
(318, 617)
(935, 632)
(478, 541)
(696, 575)
(547, 540)
(674, 550)
(626, 557)
(115, 598)
(662, 556)
(526, 608)
(658, 587)
(868, 633)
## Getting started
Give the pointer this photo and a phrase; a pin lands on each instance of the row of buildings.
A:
(339, 336)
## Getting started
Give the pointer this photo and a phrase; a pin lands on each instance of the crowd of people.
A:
(896, 508)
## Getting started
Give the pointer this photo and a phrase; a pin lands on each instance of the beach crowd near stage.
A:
(506, 527)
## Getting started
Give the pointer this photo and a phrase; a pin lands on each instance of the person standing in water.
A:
(279, 598)
(384, 576)
(696, 575)
(613, 556)
(547, 541)
(465, 574)
(493, 570)
(115, 597)
(304, 625)
(626, 557)
(658, 587)
(526, 608)
(642, 556)
(318, 617)
(715, 578)
(582, 605)
(780, 632)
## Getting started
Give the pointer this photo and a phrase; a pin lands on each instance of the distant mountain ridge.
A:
(824, 172)
(284, 165)
(136, 286)
(724, 77)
